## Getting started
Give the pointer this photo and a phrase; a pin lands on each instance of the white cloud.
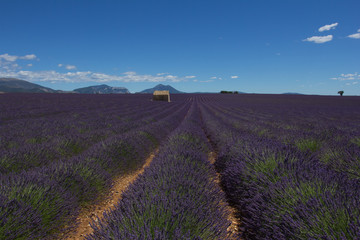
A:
(87, 76)
(28, 57)
(70, 67)
(205, 81)
(13, 58)
(130, 73)
(9, 68)
(319, 39)
(347, 77)
(213, 77)
(8, 57)
(160, 74)
(328, 27)
(234, 76)
(355, 35)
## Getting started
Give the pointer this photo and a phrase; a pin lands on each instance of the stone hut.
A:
(161, 96)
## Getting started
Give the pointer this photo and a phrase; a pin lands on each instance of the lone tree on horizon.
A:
(341, 93)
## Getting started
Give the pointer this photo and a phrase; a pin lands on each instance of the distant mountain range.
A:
(101, 89)
(161, 87)
(17, 85)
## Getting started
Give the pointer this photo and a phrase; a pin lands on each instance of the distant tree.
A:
(229, 92)
(341, 93)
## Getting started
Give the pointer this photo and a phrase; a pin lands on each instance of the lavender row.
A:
(45, 140)
(280, 191)
(175, 198)
(39, 203)
(326, 126)
(31, 106)
(108, 115)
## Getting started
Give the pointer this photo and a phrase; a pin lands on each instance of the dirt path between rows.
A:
(233, 228)
(96, 211)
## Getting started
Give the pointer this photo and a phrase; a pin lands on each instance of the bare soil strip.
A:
(96, 211)
(233, 228)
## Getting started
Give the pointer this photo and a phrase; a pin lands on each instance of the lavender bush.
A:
(289, 165)
(175, 198)
(277, 171)
(39, 195)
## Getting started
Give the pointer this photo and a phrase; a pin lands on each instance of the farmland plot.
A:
(54, 162)
(175, 198)
(289, 165)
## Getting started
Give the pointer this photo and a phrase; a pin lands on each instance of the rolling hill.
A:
(161, 87)
(101, 89)
(17, 85)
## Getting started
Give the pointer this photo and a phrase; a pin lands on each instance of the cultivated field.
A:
(275, 166)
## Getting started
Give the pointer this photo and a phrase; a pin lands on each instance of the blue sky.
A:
(254, 46)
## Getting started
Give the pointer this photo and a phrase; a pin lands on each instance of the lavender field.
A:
(288, 165)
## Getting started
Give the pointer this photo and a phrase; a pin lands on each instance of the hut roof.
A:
(161, 92)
